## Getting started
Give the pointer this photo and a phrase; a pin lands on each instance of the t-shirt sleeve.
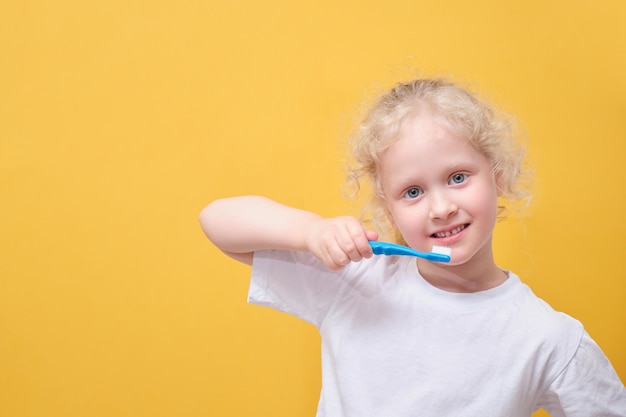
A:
(588, 386)
(296, 283)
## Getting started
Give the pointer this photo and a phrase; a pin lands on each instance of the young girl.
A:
(403, 336)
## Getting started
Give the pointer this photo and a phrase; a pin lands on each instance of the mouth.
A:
(451, 232)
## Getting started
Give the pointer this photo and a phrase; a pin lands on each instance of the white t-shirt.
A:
(395, 346)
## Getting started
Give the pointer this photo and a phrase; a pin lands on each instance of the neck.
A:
(465, 278)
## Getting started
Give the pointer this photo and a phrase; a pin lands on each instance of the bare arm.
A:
(239, 226)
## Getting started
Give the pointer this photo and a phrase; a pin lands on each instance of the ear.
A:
(390, 218)
(497, 181)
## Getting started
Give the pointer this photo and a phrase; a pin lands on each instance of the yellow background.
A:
(120, 120)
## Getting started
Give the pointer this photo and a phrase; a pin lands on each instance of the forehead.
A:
(426, 133)
(424, 145)
(440, 151)
(428, 124)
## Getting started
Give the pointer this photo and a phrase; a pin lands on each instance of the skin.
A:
(439, 190)
(434, 182)
(265, 224)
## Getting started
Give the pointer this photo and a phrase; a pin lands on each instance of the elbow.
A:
(209, 219)
(216, 220)
(217, 217)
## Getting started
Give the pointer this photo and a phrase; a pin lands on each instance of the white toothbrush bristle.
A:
(442, 250)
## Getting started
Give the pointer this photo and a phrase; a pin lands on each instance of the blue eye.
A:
(457, 178)
(413, 192)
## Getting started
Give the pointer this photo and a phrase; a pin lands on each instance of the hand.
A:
(338, 241)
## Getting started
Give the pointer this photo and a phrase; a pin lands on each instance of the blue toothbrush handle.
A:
(386, 248)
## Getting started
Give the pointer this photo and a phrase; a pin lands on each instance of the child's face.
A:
(439, 190)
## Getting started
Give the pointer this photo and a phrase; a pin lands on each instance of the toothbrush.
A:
(438, 254)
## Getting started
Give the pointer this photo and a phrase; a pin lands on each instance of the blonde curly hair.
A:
(491, 133)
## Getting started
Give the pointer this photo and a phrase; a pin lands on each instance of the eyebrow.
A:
(464, 165)
(401, 183)
(398, 185)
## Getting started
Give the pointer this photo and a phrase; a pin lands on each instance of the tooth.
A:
(454, 231)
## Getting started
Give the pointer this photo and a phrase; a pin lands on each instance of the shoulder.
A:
(367, 275)
(303, 258)
(555, 335)
(544, 317)
(587, 386)
(300, 284)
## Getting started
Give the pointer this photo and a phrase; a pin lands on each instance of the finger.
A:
(340, 254)
(333, 256)
(348, 244)
(370, 236)
(360, 239)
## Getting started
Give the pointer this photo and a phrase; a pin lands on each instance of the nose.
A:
(442, 205)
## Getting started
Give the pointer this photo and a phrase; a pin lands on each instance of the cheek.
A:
(410, 224)
(489, 208)
(487, 197)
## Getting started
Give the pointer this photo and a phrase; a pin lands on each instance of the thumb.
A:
(371, 235)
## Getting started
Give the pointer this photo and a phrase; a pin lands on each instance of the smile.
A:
(450, 232)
